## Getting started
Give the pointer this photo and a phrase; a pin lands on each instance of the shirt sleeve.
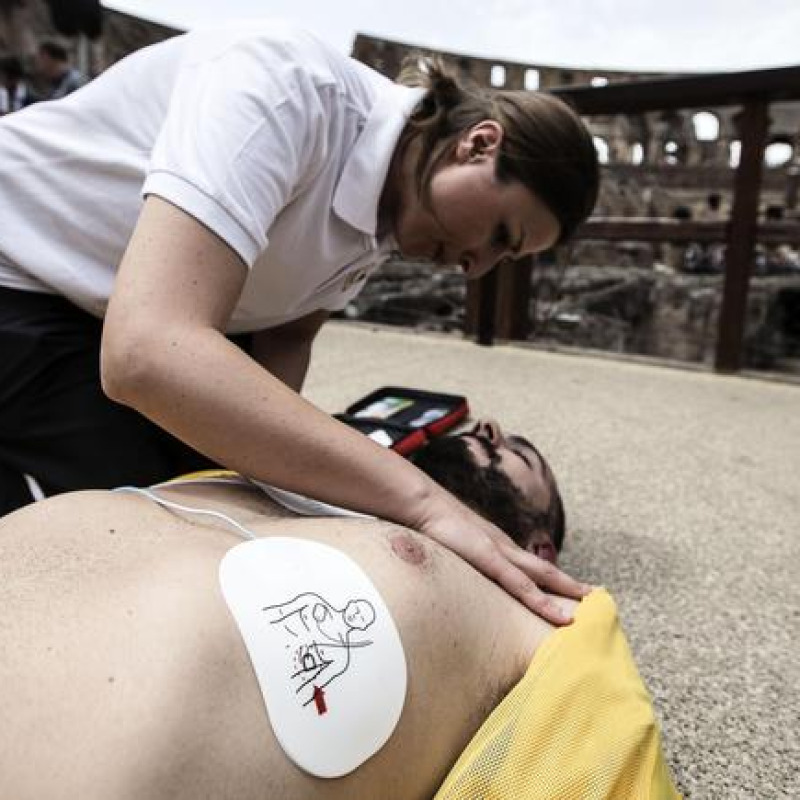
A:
(243, 132)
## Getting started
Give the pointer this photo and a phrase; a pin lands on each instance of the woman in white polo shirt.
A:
(246, 180)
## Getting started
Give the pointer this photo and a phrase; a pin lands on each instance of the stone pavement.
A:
(682, 491)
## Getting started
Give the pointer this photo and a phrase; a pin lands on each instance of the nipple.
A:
(407, 547)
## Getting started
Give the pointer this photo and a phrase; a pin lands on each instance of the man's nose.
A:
(491, 430)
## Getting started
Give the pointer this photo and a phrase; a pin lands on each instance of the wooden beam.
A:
(741, 238)
(694, 91)
(658, 229)
(485, 290)
(649, 229)
(513, 297)
(498, 303)
(472, 309)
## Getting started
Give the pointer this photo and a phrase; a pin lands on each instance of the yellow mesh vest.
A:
(578, 726)
(201, 475)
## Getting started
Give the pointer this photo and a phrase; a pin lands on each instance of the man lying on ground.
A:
(379, 655)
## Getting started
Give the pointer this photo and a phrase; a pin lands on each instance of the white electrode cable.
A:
(188, 509)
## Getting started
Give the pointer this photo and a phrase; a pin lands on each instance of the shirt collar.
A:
(361, 183)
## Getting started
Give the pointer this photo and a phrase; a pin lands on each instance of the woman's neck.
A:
(399, 179)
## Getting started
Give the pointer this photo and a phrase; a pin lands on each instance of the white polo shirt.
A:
(269, 137)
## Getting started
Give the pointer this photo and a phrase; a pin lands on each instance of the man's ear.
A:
(545, 549)
(480, 141)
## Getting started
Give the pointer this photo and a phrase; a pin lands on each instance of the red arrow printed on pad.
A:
(319, 701)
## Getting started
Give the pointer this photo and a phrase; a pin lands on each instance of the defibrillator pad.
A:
(324, 648)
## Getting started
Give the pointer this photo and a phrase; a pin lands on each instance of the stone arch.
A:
(706, 126)
(497, 76)
(603, 150)
(779, 152)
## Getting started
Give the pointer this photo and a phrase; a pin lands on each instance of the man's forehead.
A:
(488, 448)
(533, 482)
(522, 441)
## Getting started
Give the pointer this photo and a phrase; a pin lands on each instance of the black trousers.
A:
(55, 422)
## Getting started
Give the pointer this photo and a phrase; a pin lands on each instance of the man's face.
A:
(512, 455)
(473, 220)
(517, 459)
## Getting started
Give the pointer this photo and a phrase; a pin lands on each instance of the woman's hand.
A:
(496, 555)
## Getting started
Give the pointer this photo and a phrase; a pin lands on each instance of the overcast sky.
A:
(624, 34)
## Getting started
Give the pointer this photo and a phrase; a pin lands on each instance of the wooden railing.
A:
(649, 229)
(498, 304)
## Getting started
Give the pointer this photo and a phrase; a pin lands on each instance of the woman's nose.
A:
(467, 263)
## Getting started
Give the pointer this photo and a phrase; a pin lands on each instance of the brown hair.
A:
(488, 490)
(545, 145)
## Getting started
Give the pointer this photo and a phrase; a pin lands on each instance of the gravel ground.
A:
(683, 497)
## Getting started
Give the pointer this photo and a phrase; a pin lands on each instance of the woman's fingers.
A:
(521, 573)
(525, 581)
(544, 573)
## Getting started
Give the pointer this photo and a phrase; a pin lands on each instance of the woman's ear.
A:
(480, 141)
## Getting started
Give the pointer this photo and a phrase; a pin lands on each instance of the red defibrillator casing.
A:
(403, 419)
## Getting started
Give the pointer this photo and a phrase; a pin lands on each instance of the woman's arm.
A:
(165, 354)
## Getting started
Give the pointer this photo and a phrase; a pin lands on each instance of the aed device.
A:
(404, 419)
